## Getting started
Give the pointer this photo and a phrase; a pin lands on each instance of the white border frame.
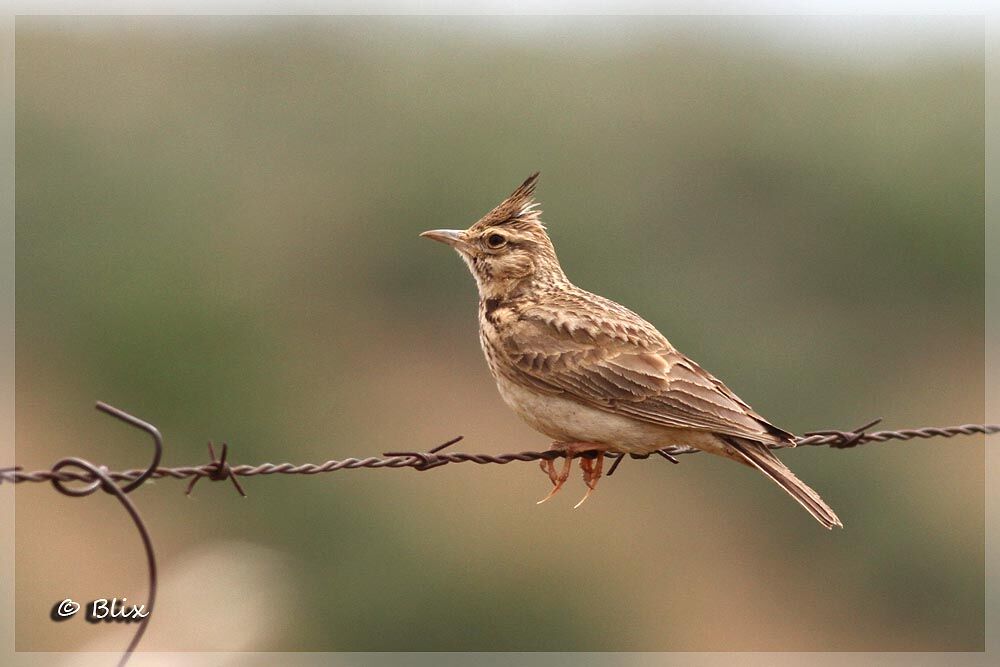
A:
(441, 7)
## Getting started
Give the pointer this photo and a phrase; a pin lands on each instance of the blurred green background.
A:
(217, 224)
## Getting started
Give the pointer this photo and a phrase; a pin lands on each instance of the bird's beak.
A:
(452, 237)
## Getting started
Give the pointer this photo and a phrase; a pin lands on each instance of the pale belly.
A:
(565, 420)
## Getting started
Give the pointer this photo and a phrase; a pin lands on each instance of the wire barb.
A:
(847, 438)
(6, 474)
(429, 459)
(99, 477)
(221, 470)
(667, 455)
(614, 466)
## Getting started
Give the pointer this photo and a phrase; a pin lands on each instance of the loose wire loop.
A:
(218, 469)
(102, 480)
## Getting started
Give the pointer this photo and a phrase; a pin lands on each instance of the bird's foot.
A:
(591, 467)
(549, 466)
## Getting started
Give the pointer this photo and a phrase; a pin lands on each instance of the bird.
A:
(591, 374)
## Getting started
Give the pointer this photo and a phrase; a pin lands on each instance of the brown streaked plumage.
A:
(590, 373)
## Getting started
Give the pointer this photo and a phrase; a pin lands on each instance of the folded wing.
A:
(628, 368)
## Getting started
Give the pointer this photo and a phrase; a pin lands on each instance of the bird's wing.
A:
(625, 366)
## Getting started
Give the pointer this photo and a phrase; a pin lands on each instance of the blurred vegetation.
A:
(217, 226)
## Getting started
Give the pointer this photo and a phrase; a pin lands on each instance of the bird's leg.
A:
(549, 466)
(591, 468)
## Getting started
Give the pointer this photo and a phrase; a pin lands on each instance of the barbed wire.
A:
(218, 469)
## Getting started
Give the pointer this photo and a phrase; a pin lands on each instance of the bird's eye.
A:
(495, 241)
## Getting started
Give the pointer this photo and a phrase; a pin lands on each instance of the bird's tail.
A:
(763, 459)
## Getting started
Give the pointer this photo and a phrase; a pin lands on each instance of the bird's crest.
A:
(520, 206)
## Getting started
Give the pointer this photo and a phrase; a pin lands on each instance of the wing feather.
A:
(629, 369)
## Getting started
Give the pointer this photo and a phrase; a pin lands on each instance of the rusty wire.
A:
(433, 458)
(218, 468)
(101, 479)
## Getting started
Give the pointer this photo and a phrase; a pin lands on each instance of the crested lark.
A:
(590, 373)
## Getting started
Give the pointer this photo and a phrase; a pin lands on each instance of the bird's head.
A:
(507, 249)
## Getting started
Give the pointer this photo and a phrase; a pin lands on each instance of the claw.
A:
(557, 480)
(551, 493)
(549, 468)
(592, 469)
(585, 496)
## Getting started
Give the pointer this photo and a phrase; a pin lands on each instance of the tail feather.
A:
(762, 458)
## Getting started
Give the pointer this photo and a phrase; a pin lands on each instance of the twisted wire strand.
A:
(99, 477)
(425, 461)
